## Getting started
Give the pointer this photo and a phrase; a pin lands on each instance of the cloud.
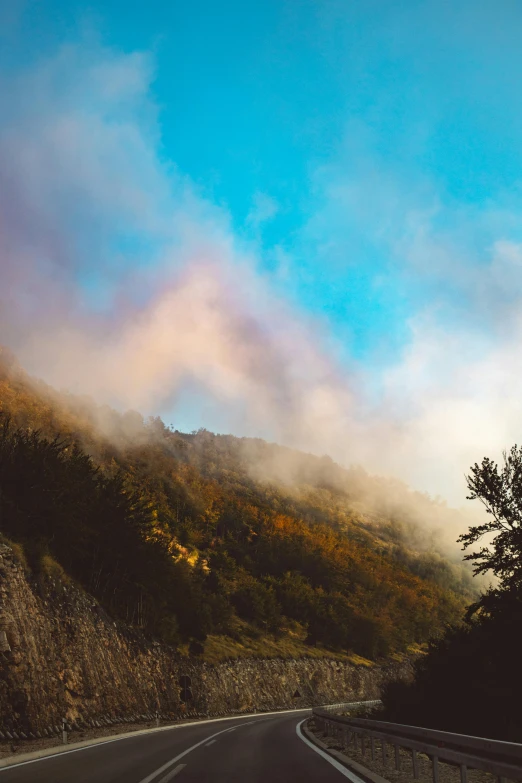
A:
(451, 394)
(119, 280)
(263, 209)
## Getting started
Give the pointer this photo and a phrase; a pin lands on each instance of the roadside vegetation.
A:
(191, 537)
(470, 679)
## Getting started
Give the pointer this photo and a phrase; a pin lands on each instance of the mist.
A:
(120, 280)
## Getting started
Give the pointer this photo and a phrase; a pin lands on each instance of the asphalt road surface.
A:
(255, 749)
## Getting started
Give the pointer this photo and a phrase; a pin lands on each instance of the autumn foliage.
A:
(176, 533)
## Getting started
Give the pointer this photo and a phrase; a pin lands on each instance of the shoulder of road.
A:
(359, 772)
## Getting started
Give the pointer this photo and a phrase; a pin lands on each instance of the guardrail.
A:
(503, 759)
(345, 706)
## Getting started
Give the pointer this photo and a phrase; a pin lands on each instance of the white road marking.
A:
(142, 732)
(210, 743)
(157, 772)
(172, 774)
(338, 766)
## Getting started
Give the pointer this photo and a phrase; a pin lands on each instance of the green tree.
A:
(500, 490)
(470, 680)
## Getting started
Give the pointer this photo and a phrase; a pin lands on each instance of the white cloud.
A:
(85, 177)
(264, 208)
(83, 190)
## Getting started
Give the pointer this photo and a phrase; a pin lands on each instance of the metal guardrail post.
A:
(415, 762)
(64, 732)
(463, 773)
(435, 764)
(397, 757)
(372, 748)
(383, 749)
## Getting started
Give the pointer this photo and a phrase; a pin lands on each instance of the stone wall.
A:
(62, 655)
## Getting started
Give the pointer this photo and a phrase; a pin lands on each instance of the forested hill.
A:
(219, 545)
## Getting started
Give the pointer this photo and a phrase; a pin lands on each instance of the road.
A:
(255, 749)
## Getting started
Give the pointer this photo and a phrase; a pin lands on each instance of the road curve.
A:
(255, 749)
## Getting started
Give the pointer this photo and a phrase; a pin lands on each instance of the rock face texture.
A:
(62, 656)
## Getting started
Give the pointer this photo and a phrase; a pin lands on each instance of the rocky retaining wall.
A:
(62, 655)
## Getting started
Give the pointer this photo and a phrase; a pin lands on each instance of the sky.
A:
(299, 220)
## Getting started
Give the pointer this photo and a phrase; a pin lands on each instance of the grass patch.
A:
(246, 643)
(50, 567)
(18, 551)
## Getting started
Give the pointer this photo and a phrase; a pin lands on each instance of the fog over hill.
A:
(222, 543)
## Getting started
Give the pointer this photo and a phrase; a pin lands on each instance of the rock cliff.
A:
(62, 655)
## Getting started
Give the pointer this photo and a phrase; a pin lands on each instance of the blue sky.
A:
(255, 99)
(365, 157)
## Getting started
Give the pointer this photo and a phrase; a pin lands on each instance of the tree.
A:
(500, 490)
(470, 680)
(174, 534)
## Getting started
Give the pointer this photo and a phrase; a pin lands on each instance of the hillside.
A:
(219, 545)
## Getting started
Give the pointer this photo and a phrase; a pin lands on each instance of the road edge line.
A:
(350, 769)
